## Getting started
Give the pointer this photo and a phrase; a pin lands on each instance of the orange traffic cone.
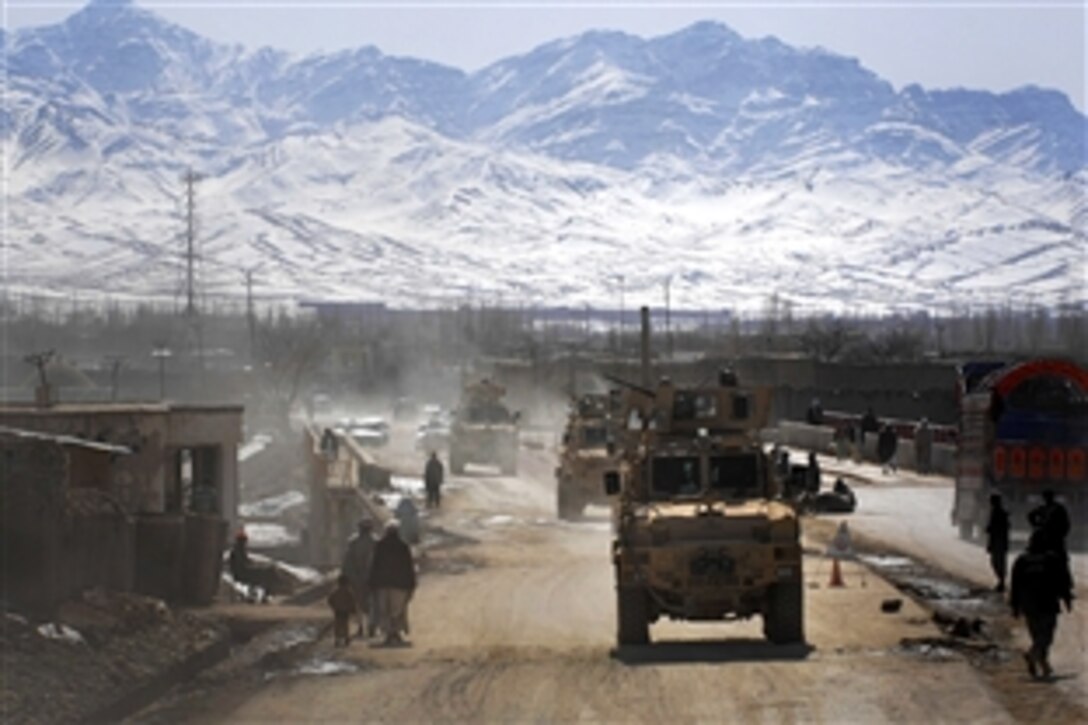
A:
(836, 574)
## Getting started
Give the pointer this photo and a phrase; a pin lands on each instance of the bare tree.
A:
(825, 341)
(290, 351)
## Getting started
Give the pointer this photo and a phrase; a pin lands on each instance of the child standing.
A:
(342, 602)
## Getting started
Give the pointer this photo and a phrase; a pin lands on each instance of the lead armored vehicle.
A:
(588, 451)
(484, 430)
(700, 535)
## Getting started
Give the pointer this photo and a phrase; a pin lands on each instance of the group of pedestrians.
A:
(1041, 580)
(850, 436)
(378, 576)
(376, 583)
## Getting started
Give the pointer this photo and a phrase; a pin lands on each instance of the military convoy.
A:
(484, 430)
(588, 451)
(698, 532)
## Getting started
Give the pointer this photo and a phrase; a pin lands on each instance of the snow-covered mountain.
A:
(739, 168)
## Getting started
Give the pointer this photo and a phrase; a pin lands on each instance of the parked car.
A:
(372, 431)
(433, 435)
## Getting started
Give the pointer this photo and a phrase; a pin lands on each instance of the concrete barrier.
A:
(820, 438)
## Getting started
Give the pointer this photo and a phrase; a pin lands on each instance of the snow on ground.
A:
(271, 507)
(389, 210)
(269, 536)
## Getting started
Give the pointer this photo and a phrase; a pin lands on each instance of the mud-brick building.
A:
(184, 458)
(147, 490)
(59, 530)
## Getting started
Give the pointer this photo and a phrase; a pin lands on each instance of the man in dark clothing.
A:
(812, 474)
(1052, 521)
(923, 447)
(815, 413)
(393, 577)
(433, 475)
(356, 567)
(343, 604)
(329, 445)
(869, 423)
(239, 562)
(1040, 580)
(886, 444)
(997, 543)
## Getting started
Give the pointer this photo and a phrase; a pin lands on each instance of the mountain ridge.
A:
(502, 161)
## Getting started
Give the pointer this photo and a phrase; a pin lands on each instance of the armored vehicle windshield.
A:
(720, 476)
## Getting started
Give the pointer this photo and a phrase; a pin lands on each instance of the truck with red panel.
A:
(1023, 429)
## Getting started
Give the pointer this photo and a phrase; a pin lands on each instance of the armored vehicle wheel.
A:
(632, 623)
(784, 618)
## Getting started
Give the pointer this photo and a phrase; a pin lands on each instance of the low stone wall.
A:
(821, 438)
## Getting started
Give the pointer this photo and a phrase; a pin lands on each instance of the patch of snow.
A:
(61, 633)
(253, 446)
(272, 507)
(327, 667)
(269, 536)
(499, 520)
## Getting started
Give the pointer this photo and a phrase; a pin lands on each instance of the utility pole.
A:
(43, 395)
(668, 317)
(619, 337)
(161, 353)
(251, 319)
(190, 180)
(115, 362)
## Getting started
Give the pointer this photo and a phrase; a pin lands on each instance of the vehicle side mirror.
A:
(611, 483)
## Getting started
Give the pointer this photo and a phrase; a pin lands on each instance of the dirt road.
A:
(514, 620)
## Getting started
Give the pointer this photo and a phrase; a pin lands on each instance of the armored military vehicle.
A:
(588, 451)
(699, 534)
(484, 430)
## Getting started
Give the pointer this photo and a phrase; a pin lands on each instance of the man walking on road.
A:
(1051, 520)
(886, 444)
(433, 475)
(997, 542)
(356, 567)
(393, 578)
(923, 447)
(1040, 581)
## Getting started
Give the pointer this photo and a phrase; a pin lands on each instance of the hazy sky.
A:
(997, 45)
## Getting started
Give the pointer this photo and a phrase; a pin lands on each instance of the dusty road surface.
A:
(514, 621)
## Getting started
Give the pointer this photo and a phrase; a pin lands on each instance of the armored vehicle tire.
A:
(784, 618)
(632, 617)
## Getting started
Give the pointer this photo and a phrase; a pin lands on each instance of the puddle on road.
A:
(922, 581)
(499, 520)
(320, 667)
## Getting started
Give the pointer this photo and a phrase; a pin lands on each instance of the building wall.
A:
(57, 540)
(138, 478)
(154, 433)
